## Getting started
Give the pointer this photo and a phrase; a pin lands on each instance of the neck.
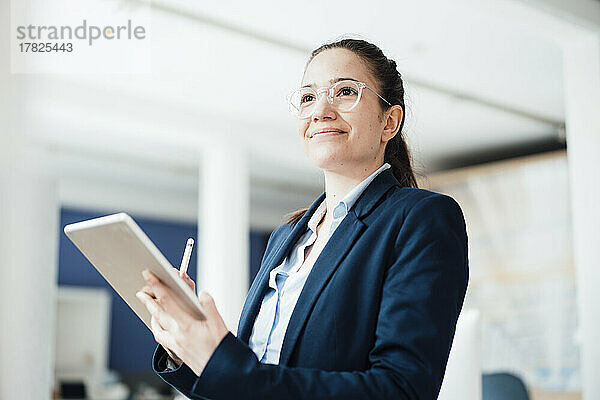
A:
(338, 183)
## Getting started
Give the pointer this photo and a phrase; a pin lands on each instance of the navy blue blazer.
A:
(377, 314)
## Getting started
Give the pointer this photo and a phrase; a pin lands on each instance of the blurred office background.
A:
(502, 105)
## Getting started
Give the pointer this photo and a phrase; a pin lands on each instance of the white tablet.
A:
(119, 249)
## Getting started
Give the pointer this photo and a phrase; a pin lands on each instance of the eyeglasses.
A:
(343, 96)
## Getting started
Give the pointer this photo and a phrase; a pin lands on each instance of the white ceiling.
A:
(221, 70)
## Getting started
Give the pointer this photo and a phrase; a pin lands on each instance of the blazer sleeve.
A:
(422, 295)
(181, 378)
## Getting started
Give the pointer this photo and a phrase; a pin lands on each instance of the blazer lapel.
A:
(260, 284)
(331, 256)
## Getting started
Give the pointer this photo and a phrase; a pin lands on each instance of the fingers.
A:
(150, 277)
(162, 293)
(148, 301)
(185, 276)
(161, 335)
(188, 281)
(158, 314)
(157, 289)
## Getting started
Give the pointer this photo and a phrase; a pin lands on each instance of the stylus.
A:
(185, 261)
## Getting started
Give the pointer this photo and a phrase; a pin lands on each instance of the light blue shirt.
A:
(287, 280)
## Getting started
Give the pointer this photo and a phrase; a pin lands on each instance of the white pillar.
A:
(223, 229)
(582, 106)
(28, 245)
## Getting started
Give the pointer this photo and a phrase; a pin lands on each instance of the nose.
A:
(322, 109)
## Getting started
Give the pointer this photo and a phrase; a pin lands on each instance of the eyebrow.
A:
(331, 81)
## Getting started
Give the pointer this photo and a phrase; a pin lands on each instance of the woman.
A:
(357, 296)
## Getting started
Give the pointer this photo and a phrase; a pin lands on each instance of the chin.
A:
(326, 155)
(331, 162)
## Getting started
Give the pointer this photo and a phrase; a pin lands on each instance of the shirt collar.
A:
(342, 208)
(317, 216)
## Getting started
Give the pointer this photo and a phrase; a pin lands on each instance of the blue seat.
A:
(503, 386)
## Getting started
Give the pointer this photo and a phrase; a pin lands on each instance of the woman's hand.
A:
(188, 280)
(193, 340)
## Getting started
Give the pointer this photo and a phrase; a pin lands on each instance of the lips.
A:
(325, 130)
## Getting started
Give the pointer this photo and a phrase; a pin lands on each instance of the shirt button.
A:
(339, 211)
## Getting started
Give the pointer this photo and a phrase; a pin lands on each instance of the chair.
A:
(503, 386)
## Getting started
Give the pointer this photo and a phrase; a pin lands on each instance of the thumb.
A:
(207, 302)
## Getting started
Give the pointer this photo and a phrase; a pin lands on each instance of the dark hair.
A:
(391, 88)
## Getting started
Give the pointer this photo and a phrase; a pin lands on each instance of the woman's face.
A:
(360, 145)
